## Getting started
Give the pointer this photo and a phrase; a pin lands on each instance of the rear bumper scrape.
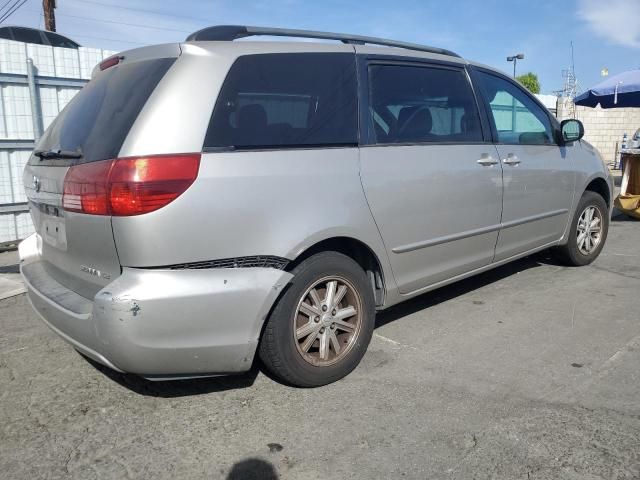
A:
(162, 322)
(165, 322)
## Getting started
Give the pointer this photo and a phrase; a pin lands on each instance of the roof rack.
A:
(235, 32)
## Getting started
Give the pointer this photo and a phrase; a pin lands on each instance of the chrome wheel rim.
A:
(327, 321)
(589, 230)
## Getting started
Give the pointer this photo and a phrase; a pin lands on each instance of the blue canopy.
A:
(619, 91)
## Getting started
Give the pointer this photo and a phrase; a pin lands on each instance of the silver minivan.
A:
(201, 203)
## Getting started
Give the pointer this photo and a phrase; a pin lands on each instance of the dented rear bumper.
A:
(161, 323)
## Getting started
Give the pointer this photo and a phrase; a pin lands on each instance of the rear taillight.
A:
(128, 186)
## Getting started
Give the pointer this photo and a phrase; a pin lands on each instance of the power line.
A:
(71, 34)
(118, 23)
(141, 10)
(19, 3)
(11, 12)
(125, 23)
(13, 9)
(5, 4)
(9, 9)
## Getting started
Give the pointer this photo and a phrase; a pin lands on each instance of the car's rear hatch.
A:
(78, 249)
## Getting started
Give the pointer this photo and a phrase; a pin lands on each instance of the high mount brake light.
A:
(111, 61)
(128, 186)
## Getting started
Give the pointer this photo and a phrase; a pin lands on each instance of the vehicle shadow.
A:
(462, 287)
(622, 217)
(10, 268)
(201, 386)
(177, 388)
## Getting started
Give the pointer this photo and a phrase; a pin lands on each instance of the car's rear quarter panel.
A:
(254, 203)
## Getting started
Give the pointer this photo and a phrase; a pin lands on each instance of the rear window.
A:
(286, 100)
(98, 119)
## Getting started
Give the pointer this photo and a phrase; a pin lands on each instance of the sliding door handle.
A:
(487, 160)
(511, 160)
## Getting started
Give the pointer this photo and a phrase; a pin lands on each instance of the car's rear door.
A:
(538, 174)
(78, 249)
(432, 180)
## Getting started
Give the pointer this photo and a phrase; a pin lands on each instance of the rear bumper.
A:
(161, 323)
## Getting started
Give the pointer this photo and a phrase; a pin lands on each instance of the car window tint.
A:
(518, 119)
(98, 119)
(280, 100)
(414, 104)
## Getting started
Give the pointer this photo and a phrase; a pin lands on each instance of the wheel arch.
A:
(600, 186)
(595, 183)
(357, 250)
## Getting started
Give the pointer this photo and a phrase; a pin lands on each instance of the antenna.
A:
(571, 87)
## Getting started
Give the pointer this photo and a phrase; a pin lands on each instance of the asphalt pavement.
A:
(530, 371)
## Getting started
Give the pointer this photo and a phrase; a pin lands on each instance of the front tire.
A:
(588, 231)
(322, 325)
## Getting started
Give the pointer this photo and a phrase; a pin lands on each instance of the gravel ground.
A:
(530, 371)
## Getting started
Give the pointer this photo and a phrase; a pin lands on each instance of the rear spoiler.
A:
(165, 50)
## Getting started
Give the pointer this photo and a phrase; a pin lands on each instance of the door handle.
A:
(511, 160)
(487, 160)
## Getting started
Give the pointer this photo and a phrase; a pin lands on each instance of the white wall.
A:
(549, 101)
(16, 122)
(603, 128)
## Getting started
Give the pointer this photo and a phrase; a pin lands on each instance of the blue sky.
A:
(605, 33)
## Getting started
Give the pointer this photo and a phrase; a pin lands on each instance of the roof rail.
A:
(234, 32)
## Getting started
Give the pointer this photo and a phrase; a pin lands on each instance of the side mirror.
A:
(571, 130)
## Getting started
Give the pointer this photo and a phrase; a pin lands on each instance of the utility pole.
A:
(48, 7)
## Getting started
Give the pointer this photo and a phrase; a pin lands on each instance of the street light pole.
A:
(514, 116)
(514, 59)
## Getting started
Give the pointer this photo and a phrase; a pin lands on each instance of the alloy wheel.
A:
(589, 234)
(327, 321)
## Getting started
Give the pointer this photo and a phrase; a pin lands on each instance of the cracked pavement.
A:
(530, 371)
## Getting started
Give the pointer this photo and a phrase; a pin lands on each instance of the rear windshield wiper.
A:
(53, 154)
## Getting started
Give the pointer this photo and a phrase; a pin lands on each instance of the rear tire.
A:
(588, 232)
(322, 325)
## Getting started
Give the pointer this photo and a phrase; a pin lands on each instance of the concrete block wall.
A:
(603, 128)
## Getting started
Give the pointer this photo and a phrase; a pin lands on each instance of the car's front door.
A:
(538, 175)
(433, 184)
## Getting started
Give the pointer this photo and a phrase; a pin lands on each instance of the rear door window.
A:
(422, 104)
(98, 119)
(286, 100)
